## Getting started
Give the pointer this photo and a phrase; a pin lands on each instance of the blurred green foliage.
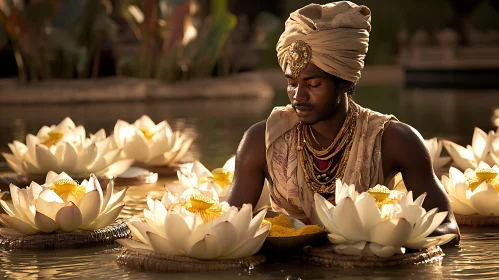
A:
(50, 40)
(176, 40)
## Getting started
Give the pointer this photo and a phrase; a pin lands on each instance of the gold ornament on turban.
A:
(299, 55)
(336, 36)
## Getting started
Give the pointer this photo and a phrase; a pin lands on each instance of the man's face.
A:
(314, 95)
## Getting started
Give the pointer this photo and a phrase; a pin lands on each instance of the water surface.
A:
(218, 126)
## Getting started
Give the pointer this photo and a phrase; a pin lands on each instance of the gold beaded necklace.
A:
(321, 178)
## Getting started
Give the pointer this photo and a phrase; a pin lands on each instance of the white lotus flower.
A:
(61, 204)
(151, 144)
(484, 147)
(435, 149)
(379, 222)
(196, 175)
(64, 148)
(198, 226)
(475, 191)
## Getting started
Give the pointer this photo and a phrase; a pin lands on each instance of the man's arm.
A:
(403, 150)
(249, 174)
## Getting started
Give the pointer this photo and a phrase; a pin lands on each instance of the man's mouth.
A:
(302, 110)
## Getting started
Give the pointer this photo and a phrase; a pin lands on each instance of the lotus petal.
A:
(49, 203)
(254, 228)
(226, 234)
(116, 168)
(18, 225)
(69, 157)
(86, 157)
(162, 245)
(115, 199)
(34, 191)
(460, 208)
(241, 221)
(391, 232)
(160, 214)
(184, 147)
(368, 211)
(324, 214)
(68, 217)
(135, 246)
(427, 224)
(351, 248)
(446, 238)
(178, 232)
(135, 147)
(44, 223)
(206, 248)
(19, 204)
(423, 243)
(484, 199)
(139, 230)
(249, 248)
(348, 221)
(9, 208)
(106, 218)
(14, 163)
(462, 157)
(45, 159)
(479, 143)
(462, 193)
(89, 207)
(336, 238)
(383, 251)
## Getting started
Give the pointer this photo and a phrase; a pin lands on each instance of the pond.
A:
(218, 126)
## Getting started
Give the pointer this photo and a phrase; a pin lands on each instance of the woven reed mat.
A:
(477, 220)
(326, 257)
(118, 229)
(155, 262)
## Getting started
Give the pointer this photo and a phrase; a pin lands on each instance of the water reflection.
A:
(218, 125)
(449, 113)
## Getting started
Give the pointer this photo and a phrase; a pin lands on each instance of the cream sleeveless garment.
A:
(289, 192)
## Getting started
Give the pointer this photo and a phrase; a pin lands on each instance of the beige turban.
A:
(337, 33)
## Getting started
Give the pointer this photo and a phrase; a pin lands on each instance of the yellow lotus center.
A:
(147, 133)
(221, 177)
(53, 137)
(484, 174)
(208, 208)
(67, 189)
(488, 175)
(379, 192)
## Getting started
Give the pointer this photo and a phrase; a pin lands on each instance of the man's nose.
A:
(300, 94)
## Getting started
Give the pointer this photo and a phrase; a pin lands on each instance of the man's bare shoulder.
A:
(256, 132)
(251, 150)
(398, 130)
(402, 143)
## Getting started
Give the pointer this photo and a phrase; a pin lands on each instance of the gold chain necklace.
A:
(332, 160)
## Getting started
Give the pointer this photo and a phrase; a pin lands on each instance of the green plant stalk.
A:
(148, 38)
(96, 50)
(21, 68)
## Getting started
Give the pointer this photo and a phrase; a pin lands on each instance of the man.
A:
(301, 149)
